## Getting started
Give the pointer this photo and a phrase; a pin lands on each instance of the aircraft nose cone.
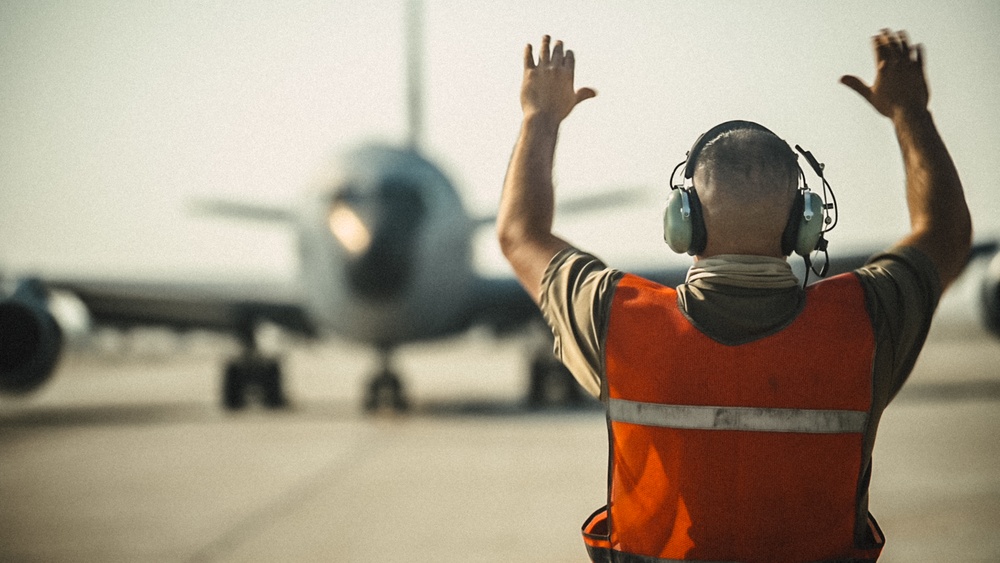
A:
(379, 231)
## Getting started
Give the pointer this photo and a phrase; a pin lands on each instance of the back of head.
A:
(746, 179)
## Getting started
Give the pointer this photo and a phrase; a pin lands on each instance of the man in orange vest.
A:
(742, 407)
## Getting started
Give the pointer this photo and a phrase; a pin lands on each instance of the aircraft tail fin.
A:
(414, 73)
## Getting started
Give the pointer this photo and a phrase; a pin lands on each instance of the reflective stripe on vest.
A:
(751, 452)
(808, 421)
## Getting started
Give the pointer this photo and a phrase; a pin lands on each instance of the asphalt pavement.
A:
(126, 456)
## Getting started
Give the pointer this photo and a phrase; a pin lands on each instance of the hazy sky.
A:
(115, 114)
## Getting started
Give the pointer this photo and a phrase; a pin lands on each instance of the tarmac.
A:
(126, 456)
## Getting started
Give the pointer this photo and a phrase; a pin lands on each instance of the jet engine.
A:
(991, 296)
(30, 339)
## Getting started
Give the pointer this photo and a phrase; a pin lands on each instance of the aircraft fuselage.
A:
(385, 249)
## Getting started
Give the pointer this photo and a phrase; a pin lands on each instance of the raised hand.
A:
(547, 89)
(899, 80)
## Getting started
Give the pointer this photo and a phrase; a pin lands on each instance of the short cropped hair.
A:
(754, 162)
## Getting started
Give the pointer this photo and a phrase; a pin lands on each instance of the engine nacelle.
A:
(30, 339)
(991, 296)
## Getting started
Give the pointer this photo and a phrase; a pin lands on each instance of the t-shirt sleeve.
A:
(902, 289)
(576, 298)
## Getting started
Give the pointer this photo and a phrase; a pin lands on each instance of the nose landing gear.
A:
(385, 389)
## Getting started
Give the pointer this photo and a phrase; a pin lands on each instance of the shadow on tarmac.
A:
(156, 414)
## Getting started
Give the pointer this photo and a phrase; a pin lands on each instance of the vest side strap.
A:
(621, 557)
(753, 419)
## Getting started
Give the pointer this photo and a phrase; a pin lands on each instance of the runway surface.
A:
(125, 456)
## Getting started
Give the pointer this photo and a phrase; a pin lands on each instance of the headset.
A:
(811, 217)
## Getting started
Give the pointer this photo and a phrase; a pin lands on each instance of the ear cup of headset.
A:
(790, 236)
(677, 227)
(684, 233)
(805, 225)
(810, 224)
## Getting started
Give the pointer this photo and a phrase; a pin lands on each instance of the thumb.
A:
(585, 94)
(858, 85)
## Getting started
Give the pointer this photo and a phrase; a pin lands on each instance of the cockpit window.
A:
(379, 230)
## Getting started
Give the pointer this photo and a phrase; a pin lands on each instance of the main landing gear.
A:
(550, 384)
(252, 375)
(385, 389)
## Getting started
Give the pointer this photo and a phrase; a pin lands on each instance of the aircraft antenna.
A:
(414, 72)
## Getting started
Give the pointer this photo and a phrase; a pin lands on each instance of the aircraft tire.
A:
(536, 384)
(385, 390)
(234, 382)
(551, 384)
(273, 394)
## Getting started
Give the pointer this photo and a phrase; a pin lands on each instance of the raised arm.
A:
(940, 225)
(524, 222)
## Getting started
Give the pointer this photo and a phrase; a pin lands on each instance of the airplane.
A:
(385, 248)
(386, 253)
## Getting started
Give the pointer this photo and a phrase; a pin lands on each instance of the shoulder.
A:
(902, 269)
(577, 289)
(572, 271)
(902, 289)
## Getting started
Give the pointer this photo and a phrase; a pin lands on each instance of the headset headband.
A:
(714, 133)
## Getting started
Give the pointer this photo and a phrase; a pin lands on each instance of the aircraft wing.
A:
(225, 306)
(500, 303)
(504, 305)
(847, 261)
(33, 325)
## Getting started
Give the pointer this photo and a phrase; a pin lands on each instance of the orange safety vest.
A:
(736, 453)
